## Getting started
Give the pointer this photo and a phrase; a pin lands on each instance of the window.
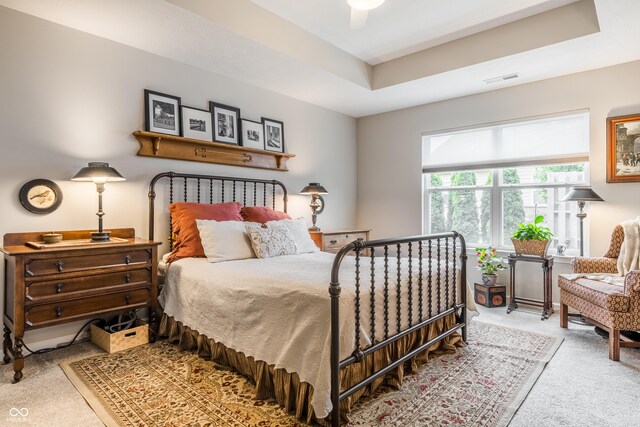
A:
(483, 182)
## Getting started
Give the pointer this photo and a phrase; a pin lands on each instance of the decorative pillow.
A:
(183, 218)
(271, 241)
(262, 214)
(298, 228)
(225, 240)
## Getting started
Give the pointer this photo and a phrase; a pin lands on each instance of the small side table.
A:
(547, 268)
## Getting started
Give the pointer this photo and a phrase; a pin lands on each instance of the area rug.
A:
(158, 385)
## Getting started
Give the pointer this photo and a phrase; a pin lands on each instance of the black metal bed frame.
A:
(224, 182)
(444, 308)
(429, 276)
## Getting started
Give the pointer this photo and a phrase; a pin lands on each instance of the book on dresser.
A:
(73, 280)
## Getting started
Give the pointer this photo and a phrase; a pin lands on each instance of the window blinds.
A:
(561, 138)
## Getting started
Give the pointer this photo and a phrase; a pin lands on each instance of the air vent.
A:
(502, 78)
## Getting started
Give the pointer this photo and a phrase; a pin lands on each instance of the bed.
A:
(289, 323)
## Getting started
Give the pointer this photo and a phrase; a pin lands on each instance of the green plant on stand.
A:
(489, 263)
(532, 238)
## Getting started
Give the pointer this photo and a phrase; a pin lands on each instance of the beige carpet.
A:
(157, 385)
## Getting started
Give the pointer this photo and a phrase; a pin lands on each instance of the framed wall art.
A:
(273, 135)
(623, 148)
(226, 123)
(252, 134)
(196, 124)
(40, 196)
(161, 113)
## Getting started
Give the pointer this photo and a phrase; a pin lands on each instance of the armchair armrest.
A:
(594, 265)
(632, 283)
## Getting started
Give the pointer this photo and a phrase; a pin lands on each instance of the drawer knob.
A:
(59, 266)
(127, 259)
(127, 278)
(127, 299)
(58, 310)
(333, 242)
(58, 288)
(346, 236)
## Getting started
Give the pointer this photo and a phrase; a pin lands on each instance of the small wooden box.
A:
(490, 296)
(118, 341)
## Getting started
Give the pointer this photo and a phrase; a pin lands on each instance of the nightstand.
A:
(62, 283)
(333, 240)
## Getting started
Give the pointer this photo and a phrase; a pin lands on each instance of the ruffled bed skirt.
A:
(287, 389)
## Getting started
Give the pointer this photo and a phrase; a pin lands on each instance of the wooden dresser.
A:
(333, 240)
(60, 284)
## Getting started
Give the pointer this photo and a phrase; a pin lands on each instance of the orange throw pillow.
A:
(183, 218)
(262, 214)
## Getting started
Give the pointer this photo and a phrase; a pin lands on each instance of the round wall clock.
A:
(40, 196)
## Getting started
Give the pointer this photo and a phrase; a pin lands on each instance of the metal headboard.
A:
(215, 189)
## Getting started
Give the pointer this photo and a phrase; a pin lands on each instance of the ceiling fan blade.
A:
(358, 18)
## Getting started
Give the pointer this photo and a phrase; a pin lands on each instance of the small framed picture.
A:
(196, 124)
(162, 113)
(252, 134)
(273, 135)
(226, 123)
(623, 148)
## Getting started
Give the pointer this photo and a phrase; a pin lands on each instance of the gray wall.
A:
(390, 152)
(69, 98)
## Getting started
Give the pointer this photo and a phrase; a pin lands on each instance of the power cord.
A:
(48, 350)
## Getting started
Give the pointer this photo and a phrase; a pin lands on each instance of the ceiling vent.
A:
(502, 78)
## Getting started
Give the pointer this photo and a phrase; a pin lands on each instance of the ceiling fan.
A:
(360, 10)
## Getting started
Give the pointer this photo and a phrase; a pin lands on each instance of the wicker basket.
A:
(531, 247)
(118, 341)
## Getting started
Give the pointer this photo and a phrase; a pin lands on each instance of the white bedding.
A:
(278, 309)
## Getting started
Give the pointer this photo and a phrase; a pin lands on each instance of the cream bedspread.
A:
(278, 309)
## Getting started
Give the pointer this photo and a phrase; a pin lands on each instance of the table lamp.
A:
(582, 194)
(317, 202)
(100, 173)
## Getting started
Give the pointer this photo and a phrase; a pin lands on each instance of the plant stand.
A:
(547, 268)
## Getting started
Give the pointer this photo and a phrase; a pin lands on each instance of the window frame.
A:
(496, 193)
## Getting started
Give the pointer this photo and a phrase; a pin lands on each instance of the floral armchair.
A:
(611, 306)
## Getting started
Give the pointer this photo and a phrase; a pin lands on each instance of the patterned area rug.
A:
(157, 385)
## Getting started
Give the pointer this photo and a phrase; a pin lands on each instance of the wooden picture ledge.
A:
(176, 147)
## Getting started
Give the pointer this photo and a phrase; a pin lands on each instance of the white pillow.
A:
(272, 240)
(298, 228)
(224, 240)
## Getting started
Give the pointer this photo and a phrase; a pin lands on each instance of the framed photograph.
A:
(252, 134)
(196, 124)
(226, 123)
(623, 148)
(161, 113)
(273, 135)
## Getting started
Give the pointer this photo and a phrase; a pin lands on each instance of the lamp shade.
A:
(582, 194)
(314, 188)
(98, 172)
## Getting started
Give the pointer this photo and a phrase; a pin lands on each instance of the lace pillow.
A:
(271, 241)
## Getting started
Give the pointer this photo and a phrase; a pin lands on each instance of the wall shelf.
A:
(176, 147)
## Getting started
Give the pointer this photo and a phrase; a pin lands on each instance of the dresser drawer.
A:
(63, 288)
(335, 242)
(52, 313)
(41, 267)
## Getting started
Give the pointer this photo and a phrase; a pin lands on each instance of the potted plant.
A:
(489, 263)
(532, 238)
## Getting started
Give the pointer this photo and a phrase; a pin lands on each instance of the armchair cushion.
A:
(606, 295)
(617, 237)
(594, 265)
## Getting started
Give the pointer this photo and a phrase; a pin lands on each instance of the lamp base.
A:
(100, 236)
(314, 228)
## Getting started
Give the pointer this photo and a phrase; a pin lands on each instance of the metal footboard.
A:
(431, 282)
